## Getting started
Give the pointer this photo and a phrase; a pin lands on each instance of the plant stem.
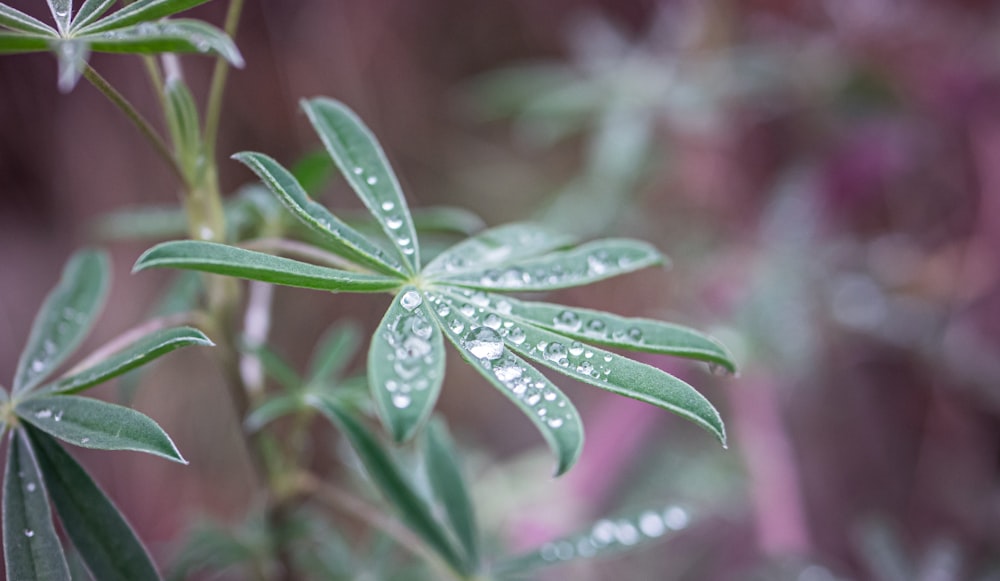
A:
(119, 100)
(218, 86)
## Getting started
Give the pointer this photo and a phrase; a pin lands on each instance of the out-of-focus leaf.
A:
(273, 409)
(495, 247)
(481, 344)
(72, 56)
(64, 318)
(334, 351)
(580, 266)
(279, 369)
(406, 364)
(604, 538)
(449, 487)
(62, 12)
(146, 349)
(16, 42)
(145, 11)
(210, 547)
(100, 533)
(634, 334)
(313, 171)
(238, 262)
(180, 35)
(346, 240)
(363, 163)
(91, 423)
(90, 11)
(391, 482)
(182, 121)
(14, 19)
(31, 547)
(147, 223)
(446, 219)
(591, 365)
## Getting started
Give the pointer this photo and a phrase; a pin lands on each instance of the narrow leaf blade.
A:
(345, 239)
(391, 481)
(233, 261)
(361, 160)
(14, 19)
(449, 487)
(633, 334)
(146, 349)
(64, 318)
(31, 548)
(180, 35)
(105, 540)
(62, 11)
(91, 423)
(17, 42)
(141, 11)
(482, 345)
(406, 364)
(595, 366)
(89, 12)
(577, 267)
(496, 247)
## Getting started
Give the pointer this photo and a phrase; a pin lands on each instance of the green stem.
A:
(218, 86)
(119, 100)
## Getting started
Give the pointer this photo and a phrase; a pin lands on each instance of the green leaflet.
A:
(347, 241)
(633, 334)
(480, 343)
(391, 482)
(178, 35)
(31, 548)
(136, 12)
(361, 160)
(577, 267)
(496, 247)
(16, 42)
(406, 364)
(16, 20)
(91, 423)
(445, 475)
(146, 349)
(100, 533)
(233, 261)
(64, 318)
(590, 364)
(90, 11)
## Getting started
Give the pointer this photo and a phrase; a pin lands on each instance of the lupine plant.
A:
(455, 295)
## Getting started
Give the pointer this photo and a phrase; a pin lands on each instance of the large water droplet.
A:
(634, 333)
(596, 327)
(492, 321)
(576, 348)
(394, 223)
(567, 321)
(676, 518)
(372, 180)
(555, 423)
(483, 343)
(456, 326)
(413, 347)
(626, 533)
(516, 335)
(29, 533)
(555, 351)
(410, 300)
(401, 401)
(604, 532)
(651, 524)
(388, 206)
(421, 327)
(507, 370)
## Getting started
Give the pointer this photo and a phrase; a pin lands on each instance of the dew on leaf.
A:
(483, 343)
(401, 401)
(651, 524)
(676, 518)
(567, 321)
(576, 349)
(410, 300)
(492, 321)
(386, 206)
(372, 180)
(556, 352)
(516, 335)
(394, 223)
(29, 533)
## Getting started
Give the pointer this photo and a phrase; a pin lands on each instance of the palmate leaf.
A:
(391, 482)
(31, 548)
(104, 539)
(480, 343)
(233, 261)
(146, 349)
(589, 364)
(406, 364)
(91, 423)
(361, 160)
(64, 318)
(496, 247)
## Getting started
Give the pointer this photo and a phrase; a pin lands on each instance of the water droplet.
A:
(555, 423)
(480, 298)
(58, 416)
(403, 241)
(635, 334)
(564, 550)
(49, 347)
(717, 369)
(421, 327)
(456, 326)
(468, 310)
(626, 533)
(401, 401)
(84, 440)
(567, 321)
(30, 487)
(43, 414)
(358, 171)
(504, 307)
(206, 233)
(533, 399)
(394, 223)
(607, 359)
(548, 552)
(585, 368)
(603, 532)
(443, 310)
(388, 206)
(37, 365)
(492, 321)
(483, 343)
(588, 354)
(391, 385)
(508, 370)
(29, 533)
(576, 348)
(550, 396)
(651, 524)
(410, 300)
(516, 335)
(676, 518)
(618, 334)
(555, 351)
(412, 348)
(371, 181)
(408, 251)
(596, 327)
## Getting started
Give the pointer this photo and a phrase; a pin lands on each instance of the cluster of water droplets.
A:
(391, 215)
(595, 327)
(69, 320)
(483, 338)
(566, 270)
(618, 533)
(411, 357)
